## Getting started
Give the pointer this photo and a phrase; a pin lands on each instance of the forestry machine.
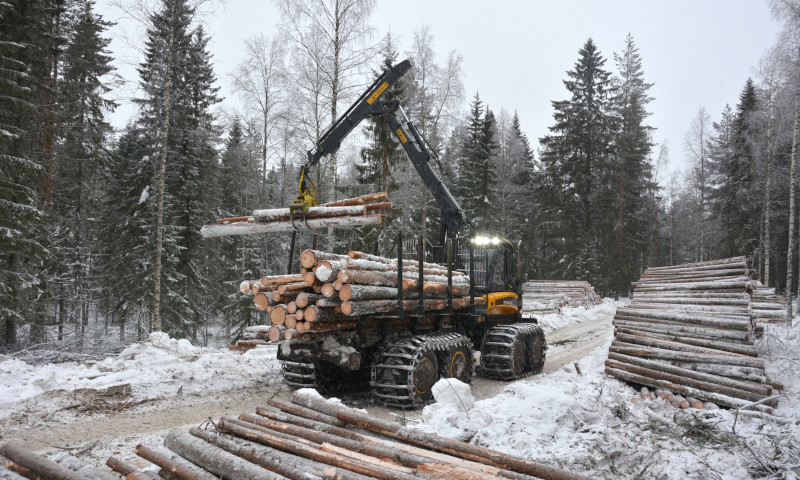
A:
(404, 365)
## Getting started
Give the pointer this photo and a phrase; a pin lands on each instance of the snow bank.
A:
(599, 426)
(159, 367)
(571, 315)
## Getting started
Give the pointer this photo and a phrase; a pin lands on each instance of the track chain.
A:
(394, 368)
(508, 351)
(299, 374)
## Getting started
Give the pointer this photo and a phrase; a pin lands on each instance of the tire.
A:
(457, 364)
(426, 373)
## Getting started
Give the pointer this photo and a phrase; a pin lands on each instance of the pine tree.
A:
(579, 166)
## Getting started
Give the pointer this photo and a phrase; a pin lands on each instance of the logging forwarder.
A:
(404, 364)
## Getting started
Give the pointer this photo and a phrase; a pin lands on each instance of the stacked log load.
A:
(348, 213)
(550, 296)
(333, 292)
(690, 330)
(766, 306)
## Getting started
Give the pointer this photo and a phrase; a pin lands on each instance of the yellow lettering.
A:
(378, 92)
(401, 135)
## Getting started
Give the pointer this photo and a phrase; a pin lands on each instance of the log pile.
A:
(311, 438)
(252, 337)
(348, 213)
(689, 330)
(334, 292)
(766, 306)
(550, 296)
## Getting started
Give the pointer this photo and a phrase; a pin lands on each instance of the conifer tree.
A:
(579, 166)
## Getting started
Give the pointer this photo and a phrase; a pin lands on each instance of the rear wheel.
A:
(457, 360)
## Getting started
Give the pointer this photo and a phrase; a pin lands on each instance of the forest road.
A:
(123, 430)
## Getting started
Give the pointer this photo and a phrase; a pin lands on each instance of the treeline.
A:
(100, 229)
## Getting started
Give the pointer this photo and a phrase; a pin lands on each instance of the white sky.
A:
(516, 53)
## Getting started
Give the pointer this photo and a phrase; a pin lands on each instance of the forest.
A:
(100, 227)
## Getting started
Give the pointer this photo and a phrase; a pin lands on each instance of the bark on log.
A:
(661, 354)
(644, 339)
(717, 398)
(89, 472)
(666, 327)
(173, 463)
(214, 459)
(370, 277)
(315, 314)
(717, 345)
(372, 197)
(125, 469)
(434, 442)
(763, 390)
(37, 464)
(325, 302)
(283, 214)
(705, 320)
(288, 465)
(377, 469)
(327, 270)
(247, 228)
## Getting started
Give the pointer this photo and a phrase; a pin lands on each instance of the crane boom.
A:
(370, 104)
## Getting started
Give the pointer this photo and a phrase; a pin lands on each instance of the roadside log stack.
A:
(766, 306)
(311, 438)
(333, 293)
(690, 329)
(348, 213)
(550, 296)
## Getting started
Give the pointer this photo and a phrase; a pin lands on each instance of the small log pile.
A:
(334, 292)
(766, 306)
(311, 438)
(252, 337)
(348, 213)
(550, 296)
(689, 330)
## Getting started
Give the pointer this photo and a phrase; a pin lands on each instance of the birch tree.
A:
(695, 146)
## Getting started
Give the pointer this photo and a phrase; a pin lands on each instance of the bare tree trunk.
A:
(790, 250)
(334, 116)
(767, 199)
(162, 173)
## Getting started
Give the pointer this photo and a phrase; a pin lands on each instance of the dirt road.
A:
(109, 434)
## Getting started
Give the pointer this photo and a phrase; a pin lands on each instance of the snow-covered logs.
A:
(690, 330)
(550, 296)
(307, 439)
(334, 292)
(348, 213)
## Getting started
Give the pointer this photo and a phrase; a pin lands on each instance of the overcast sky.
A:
(517, 53)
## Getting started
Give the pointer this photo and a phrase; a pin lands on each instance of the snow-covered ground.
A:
(587, 423)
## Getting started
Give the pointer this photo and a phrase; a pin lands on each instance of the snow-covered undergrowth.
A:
(157, 368)
(572, 315)
(597, 425)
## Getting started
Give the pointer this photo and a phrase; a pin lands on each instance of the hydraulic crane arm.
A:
(370, 104)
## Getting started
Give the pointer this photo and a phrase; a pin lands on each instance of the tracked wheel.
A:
(405, 369)
(509, 352)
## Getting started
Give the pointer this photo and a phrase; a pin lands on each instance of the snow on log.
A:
(249, 228)
(37, 464)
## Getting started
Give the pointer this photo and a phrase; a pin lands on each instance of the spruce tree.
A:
(633, 146)
(579, 165)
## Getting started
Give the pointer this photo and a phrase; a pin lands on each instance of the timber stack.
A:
(348, 213)
(550, 296)
(766, 306)
(334, 292)
(690, 330)
(308, 438)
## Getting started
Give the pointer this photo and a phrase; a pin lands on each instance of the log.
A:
(247, 228)
(662, 354)
(310, 258)
(289, 333)
(328, 269)
(87, 471)
(276, 280)
(328, 290)
(367, 292)
(293, 288)
(433, 441)
(717, 345)
(261, 302)
(283, 214)
(372, 197)
(278, 315)
(173, 463)
(667, 327)
(705, 320)
(328, 302)
(125, 469)
(310, 278)
(11, 475)
(290, 321)
(376, 469)
(276, 333)
(300, 314)
(291, 307)
(747, 374)
(763, 390)
(318, 314)
(643, 339)
(717, 398)
(288, 465)
(304, 299)
(371, 277)
(214, 459)
(35, 463)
